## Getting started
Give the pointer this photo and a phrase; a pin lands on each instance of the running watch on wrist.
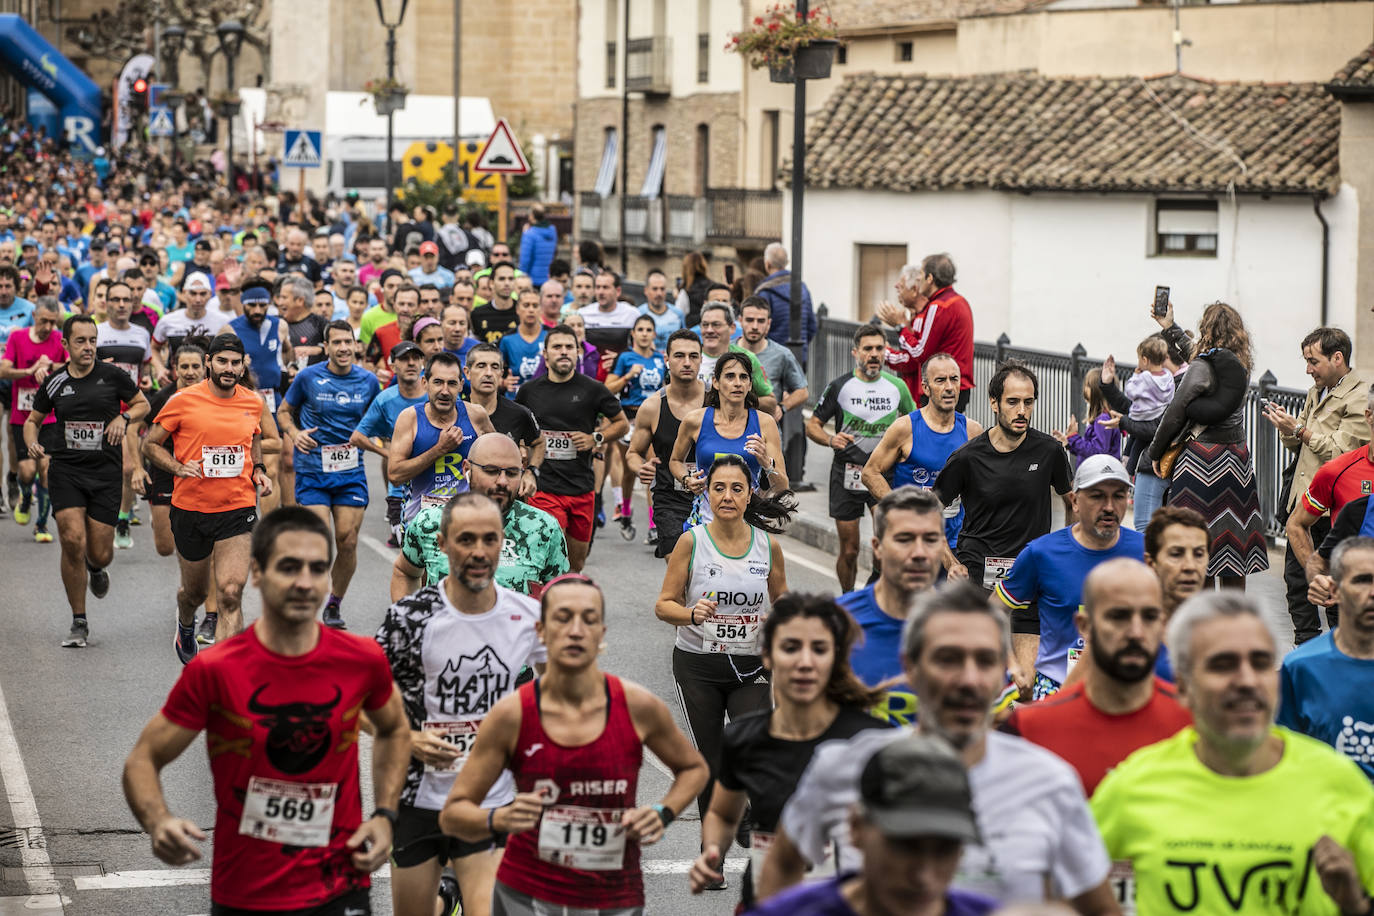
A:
(388, 813)
(598, 438)
(665, 814)
(534, 469)
(259, 466)
(125, 415)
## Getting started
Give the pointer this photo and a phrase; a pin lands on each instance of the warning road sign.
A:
(502, 154)
(303, 149)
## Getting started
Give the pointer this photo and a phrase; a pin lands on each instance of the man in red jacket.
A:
(936, 320)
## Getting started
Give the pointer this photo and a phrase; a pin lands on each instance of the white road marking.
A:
(186, 877)
(652, 759)
(792, 557)
(379, 548)
(24, 809)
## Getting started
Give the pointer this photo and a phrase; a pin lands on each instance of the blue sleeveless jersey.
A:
(929, 452)
(435, 484)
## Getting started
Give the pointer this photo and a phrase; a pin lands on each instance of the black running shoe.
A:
(100, 582)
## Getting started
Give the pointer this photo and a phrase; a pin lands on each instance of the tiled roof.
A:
(852, 15)
(1022, 131)
(1357, 74)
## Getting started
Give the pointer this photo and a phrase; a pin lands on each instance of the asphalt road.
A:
(74, 714)
(68, 718)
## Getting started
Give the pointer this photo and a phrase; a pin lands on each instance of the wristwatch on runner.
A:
(598, 438)
(665, 814)
(389, 814)
(259, 466)
(534, 469)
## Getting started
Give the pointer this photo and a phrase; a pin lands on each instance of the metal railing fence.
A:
(1060, 377)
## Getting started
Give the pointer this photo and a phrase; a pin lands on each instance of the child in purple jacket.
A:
(1095, 439)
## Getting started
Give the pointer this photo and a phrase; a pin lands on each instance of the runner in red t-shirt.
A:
(574, 741)
(281, 704)
(1119, 706)
(1337, 483)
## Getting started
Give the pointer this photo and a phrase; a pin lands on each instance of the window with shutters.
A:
(1185, 228)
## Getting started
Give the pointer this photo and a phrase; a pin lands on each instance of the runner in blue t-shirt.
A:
(523, 347)
(1324, 683)
(638, 373)
(322, 408)
(1044, 589)
(408, 390)
(908, 542)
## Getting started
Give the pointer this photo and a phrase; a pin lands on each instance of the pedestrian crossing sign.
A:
(303, 149)
(160, 123)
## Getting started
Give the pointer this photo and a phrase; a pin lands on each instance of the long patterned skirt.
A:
(1219, 482)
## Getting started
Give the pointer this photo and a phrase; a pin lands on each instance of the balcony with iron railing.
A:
(723, 216)
(649, 67)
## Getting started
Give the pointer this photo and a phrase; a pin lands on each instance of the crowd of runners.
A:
(1007, 716)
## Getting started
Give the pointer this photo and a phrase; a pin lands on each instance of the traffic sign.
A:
(155, 91)
(501, 154)
(160, 123)
(303, 149)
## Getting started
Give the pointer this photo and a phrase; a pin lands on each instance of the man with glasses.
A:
(534, 550)
(129, 347)
(150, 267)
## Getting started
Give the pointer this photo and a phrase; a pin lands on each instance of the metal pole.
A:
(624, 135)
(794, 341)
(457, 79)
(229, 123)
(390, 115)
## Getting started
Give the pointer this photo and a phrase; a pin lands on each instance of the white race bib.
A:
(1121, 879)
(25, 398)
(734, 634)
(592, 839)
(853, 478)
(1075, 654)
(291, 813)
(461, 733)
(131, 369)
(269, 395)
(221, 460)
(995, 569)
(338, 458)
(84, 435)
(559, 446)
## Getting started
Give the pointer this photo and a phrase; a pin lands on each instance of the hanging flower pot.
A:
(388, 96)
(808, 62)
(790, 45)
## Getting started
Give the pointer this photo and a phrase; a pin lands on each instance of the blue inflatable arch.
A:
(32, 60)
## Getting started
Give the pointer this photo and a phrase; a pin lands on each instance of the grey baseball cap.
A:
(917, 786)
(1096, 469)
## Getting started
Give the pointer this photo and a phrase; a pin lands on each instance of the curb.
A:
(819, 532)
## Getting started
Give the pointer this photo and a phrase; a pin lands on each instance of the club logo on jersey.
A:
(547, 790)
(298, 734)
(881, 402)
(473, 684)
(734, 599)
(651, 378)
(528, 367)
(758, 569)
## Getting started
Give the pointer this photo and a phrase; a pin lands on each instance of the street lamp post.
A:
(173, 40)
(391, 24)
(794, 334)
(230, 34)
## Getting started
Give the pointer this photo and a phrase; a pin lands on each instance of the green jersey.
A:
(864, 410)
(533, 551)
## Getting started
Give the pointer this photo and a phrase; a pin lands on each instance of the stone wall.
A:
(681, 118)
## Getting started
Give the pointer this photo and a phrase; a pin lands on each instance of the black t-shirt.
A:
(561, 408)
(510, 419)
(84, 407)
(1006, 495)
(1348, 523)
(490, 324)
(309, 332)
(306, 265)
(768, 769)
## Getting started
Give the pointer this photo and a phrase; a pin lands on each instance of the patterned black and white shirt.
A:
(451, 669)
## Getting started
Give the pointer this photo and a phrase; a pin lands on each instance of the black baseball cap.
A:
(918, 786)
(405, 348)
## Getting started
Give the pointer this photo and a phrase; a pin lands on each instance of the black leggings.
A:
(710, 685)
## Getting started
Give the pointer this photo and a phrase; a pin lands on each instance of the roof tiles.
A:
(1023, 131)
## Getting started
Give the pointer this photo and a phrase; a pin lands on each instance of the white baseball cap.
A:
(1097, 469)
(197, 281)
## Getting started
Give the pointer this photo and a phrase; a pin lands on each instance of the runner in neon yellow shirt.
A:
(1236, 815)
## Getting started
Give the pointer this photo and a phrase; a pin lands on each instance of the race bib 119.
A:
(591, 839)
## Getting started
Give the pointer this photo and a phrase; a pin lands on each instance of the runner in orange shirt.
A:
(221, 432)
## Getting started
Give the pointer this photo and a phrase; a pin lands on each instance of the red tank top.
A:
(578, 854)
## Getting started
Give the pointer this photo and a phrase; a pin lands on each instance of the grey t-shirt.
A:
(782, 368)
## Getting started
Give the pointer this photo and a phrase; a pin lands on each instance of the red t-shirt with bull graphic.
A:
(282, 736)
